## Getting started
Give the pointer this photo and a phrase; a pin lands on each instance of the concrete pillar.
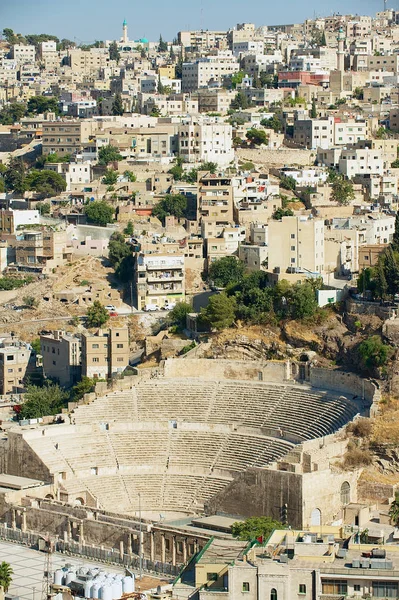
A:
(14, 519)
(174, 551)
(152, 547)
(23, 524)
(121, 549)
(185, 550)
(81, 536)
(163, 548)
(130, 544)
(69, 530)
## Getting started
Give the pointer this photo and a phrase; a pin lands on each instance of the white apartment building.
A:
(296, 244)
(250, 46)
(314, 133)
(357, 161)
(305, 176)
(384, 63)
(160, 280)
(211, 142)
(349, 132)
(23, 53)
(204, 71)
(255, 63)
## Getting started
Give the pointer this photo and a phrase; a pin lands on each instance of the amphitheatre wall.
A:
(341, 381)
(204, 368)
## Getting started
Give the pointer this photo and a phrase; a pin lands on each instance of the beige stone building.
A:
(15, 358)
(296, 244)
(61, 354)
(41, 250)
(105, 353)
(215, 200)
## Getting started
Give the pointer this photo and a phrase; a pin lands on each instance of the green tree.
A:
(36, 346)
(43, 401)
(99, 212)
(155, 112)
(381, 133)
(313, 111)
(30, 301)
(6, 571)
(85, 386)
(358, 93)
(14, 176)
(117, 249)
(161, 89)
(220, 311)
(108, 154)
(272, 123)
(178, 314)
(240, 102)
(162, 45)
(288, 183)
(282, 212)
(110, 177)
(114, 53)
(45, 183)
(225, 271)
(97, 315)
(395, 237)
(130, 176)
(41, 104)
(374, 352)
(255, 528)
(117, 105)
(129, 229)
(13, 113)
(390, 265)
(9, 36)
(257, 137)
(303, 302)
(170, 205)
(236, 79)
(342, 191)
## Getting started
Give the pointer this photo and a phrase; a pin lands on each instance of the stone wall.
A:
(258, 492)
(354, 307)
(281, 156)
(271, 371)
(344, 382)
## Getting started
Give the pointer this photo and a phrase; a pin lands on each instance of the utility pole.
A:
(140, 542)
(48, 570)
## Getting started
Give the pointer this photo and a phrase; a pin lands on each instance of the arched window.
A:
(345, 493)
(273, 594)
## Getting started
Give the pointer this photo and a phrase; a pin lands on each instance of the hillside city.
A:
(199, 327)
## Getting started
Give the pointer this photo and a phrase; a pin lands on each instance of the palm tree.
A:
(6, 574)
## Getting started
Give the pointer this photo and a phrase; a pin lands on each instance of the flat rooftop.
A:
(215, 522)
(18, 483)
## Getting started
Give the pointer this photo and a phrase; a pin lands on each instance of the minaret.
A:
(124, 32)
(341, 51)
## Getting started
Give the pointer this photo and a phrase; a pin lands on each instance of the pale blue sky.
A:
(87, 20)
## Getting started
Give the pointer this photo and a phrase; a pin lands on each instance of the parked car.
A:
(169, 305)
(111, 307)
(151, 307)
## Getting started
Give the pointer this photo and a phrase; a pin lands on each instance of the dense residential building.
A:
(16, 360)
(160, 280)
(61, 357)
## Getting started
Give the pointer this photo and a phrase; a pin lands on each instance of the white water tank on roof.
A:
(106, 592)
(69, 576)
(58, 577)
(88, 589)
(116, 589)
(128, 585)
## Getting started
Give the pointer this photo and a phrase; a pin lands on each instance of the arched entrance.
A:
(315, 517)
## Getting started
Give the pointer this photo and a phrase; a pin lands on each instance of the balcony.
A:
(166, 266)
(172, 277)
(164, 291)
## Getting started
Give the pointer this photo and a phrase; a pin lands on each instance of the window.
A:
(302, 588)
(10, 357)
(385, 589)
(212, 576)
(180, 547)
(345, 493)
(356, 587)
(96, 360)
(273, 594)
(95, 346)
(245, 586)
(119, 345)
(334, 586)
